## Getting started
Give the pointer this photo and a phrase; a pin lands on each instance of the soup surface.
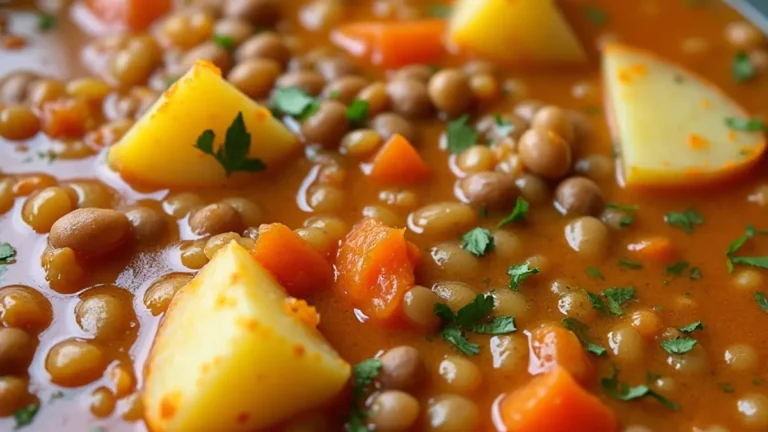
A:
(419, 174)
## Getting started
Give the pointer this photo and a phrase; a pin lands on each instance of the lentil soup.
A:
(384, 215)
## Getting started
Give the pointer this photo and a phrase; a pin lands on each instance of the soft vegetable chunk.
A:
(236, 353)
(159, 150)
(134, 14)
(555, 402)
(398, 163)
(375, 269)
(393, 44)
(299, 268)
(530, 32)
(552, 346)
(671, 125)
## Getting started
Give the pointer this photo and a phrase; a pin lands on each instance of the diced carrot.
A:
(552, 346)
(133, 14)
(654, 249)
(375, 268)
(393, 44)
(555, 402)
(66, 118)
(399, 163)
(296, 265)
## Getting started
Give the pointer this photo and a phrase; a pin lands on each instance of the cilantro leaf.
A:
(624, 208)
(477, 241)
(692, 327)
(497, 326)
(742, 68)
(519, 273)
(596, 301)
(679, 345)
(294, 102)
(616, 297)
(232, 155)
(472, 313)
(363, 375)
(746, 125)
(518, 213)
(460, 135)
(760, 262)
(503, 126)
(357, 113)
(25, 416)
(457, 338)
(595, 273)
(685, 220)
(628, 263)
(46, 22)
(596, 15)
(678, 267)
(762, 301)
(440, 11)
(224, 41)
(695, 273)
(726, 387)
(625, 392)
(581, 331)
(626, 221)
(7, 254)
(444, 312)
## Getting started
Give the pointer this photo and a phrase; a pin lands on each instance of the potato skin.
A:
(229, 356)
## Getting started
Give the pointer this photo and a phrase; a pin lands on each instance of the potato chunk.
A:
(234, 353)
(672, 126)
(521, 31)
(159, 150)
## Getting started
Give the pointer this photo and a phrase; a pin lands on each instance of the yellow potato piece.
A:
(515, 31)
(670, 124)
(159, 150)
(230, 357)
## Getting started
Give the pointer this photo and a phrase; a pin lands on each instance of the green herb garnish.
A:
(762, 301)
(625, 392)
(518, 213)
(628, 263)
(294, 102)
(742, 68)
(695, 273)
(746, 125)
(626, 221)
(581, 331)
(363, 375)
(692, 327)
(477, 241)
(503, 126)
(472, 318)
(460, 135)
(7, 254)
(46, 22)
(624, 208)
(596, 15)
(595, 273)
(596, 301)
(678, 268)
(616, 297)
(519, 273)
(25, 416)
(224, 41)
(233, 154)
(357, 113)
(685, 220)
(726, 387)
(679, 346)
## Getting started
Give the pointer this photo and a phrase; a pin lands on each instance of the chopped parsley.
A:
(596, 15)
(294, 102)
(477, 241)
(678, 268)
(595, 273)
(760, 262)
(503, 126)
(518, 213)
(625, 392)
(616, 297)
(596, 301)
(7, 254)
(519, 273)
(685, 220)
(726, 387)
(460, 135)
(735, 245)
(472, 318)
(742, 68)
(25, 416)
(224, 41)
(46, 22)
(628, 263)
(626, 221)
(762, 301)
(746, 125)
(695, 273)
(692, 327)
(232, 155)
(357, 113)
(624, 208)
(440, 11)
(363, 375)
(679, 346)
(581, 331)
